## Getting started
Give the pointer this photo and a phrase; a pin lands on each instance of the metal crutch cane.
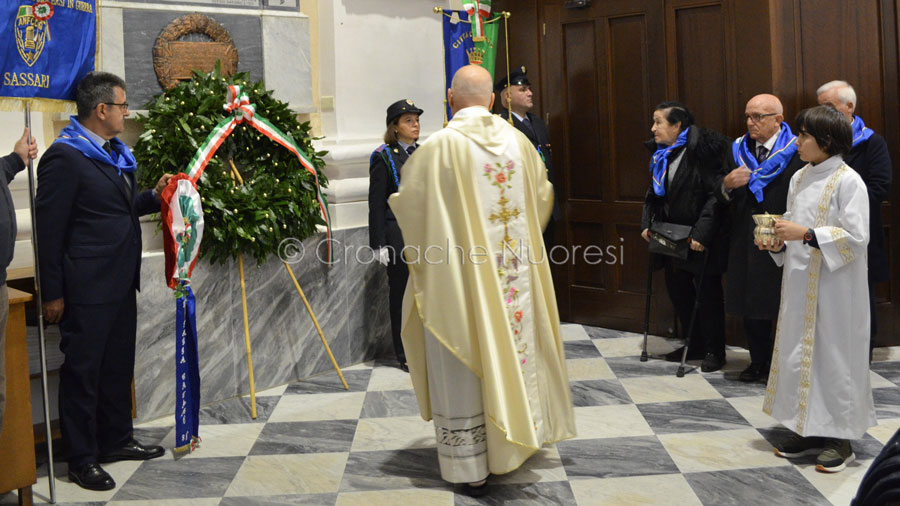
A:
(647, 306)
(51, 479)
(690, 330)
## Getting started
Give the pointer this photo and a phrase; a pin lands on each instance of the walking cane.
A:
(647, 306)
(690, 331)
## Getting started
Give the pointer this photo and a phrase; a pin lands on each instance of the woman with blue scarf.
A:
(684, 169)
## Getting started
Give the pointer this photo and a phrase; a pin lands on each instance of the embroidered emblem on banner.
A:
(32, 30)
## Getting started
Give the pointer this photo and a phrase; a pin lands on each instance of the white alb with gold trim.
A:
(819, 382)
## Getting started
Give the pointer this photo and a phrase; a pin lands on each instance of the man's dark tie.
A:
(761, 153)
(411, 148)
(126, 181)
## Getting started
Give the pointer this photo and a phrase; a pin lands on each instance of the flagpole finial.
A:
(438, 10)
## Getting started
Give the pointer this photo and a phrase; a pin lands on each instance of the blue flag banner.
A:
(46, 47)
(457, 41)
(187, 371)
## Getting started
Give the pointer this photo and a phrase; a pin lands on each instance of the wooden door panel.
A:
(699, 45)
(611, 64)
(584, 126)
(629, 105)
(588, 268)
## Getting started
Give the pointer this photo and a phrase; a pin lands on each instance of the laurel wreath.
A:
(277, 199)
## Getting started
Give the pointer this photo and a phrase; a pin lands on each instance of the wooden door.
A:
(603, 70)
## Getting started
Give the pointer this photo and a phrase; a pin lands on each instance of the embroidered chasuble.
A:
(472, 204)
(819, 381)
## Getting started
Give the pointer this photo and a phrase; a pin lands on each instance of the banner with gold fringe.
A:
(46, 48)
(461, 48)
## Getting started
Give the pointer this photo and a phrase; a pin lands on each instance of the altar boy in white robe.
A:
(819, 383)
(481, 329)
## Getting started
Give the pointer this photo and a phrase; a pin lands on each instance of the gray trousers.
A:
(4, 313)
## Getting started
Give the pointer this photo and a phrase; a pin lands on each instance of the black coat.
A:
(873, 163)
(690, 198)
(9, 166)
(383, 228)
(89, 235)
(540, 139)
(753, 280)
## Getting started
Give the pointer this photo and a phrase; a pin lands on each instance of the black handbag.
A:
(670, 239)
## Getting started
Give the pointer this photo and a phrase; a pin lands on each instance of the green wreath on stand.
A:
(266, 197)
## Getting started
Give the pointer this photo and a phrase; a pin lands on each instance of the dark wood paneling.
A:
(697, 48)
(587, 267)
(580, 41)
(628, 76)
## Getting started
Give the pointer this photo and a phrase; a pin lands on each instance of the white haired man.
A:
(870, 158)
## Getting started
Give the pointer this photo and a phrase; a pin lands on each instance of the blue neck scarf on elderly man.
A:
(659, 162)
(121, 158)
(763, 173)
(861, 132)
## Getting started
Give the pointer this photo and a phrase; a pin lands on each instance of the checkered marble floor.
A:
(644, 437)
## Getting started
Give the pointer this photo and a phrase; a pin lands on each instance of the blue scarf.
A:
(861, 132)
(659, 162)
(762, 174)
(74, 135)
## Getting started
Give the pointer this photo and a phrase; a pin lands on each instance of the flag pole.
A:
(40, 312)
(440, 10)
(506, 45)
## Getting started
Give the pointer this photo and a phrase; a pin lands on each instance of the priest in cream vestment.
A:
(481, 329)
(819, 382)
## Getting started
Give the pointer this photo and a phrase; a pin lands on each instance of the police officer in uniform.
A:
(385, 167)
(517, 99)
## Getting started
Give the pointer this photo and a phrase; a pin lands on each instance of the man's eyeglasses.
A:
(123, 105)
(756, 118)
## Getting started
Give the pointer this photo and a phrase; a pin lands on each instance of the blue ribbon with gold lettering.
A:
(187, 371)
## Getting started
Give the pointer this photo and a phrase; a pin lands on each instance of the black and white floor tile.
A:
(644, 437)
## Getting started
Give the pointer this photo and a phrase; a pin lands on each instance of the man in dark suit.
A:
(87, 210)
(870, 158)
(517, 99)
(767, 156)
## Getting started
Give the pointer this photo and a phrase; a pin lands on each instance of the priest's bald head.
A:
(471, 86)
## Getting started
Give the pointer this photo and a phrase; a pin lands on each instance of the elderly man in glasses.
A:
(87, 210)
(763, 161)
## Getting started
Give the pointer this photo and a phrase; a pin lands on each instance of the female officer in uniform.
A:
(384, 178)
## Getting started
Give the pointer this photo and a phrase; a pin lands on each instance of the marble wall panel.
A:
(288, 68)
(142, 27)
(350, 306)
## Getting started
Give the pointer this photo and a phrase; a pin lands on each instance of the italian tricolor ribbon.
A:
(478, 11)
(242, 111)
(182, 214)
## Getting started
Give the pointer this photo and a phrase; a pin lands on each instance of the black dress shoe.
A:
(754, 372)
(404, 367)
(91, 476)
(693, 354)
(712, 362)
(472, 491)
(133, 451)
